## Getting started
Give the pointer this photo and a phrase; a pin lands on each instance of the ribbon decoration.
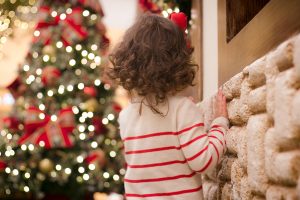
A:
(40, 128)
(72, 29)
(148, 5)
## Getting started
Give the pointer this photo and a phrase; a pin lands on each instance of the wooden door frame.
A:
(196, 40)
(276, 22)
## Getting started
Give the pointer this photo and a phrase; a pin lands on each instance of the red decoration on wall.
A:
(11, 123)
(17, 88)
(90, 91)
(148, 5)
(40, 128)
(72, 28)
(50, 75)
(96, 157)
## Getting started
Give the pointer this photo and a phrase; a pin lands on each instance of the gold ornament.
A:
(46, 166)
(100, 196)
(49, 50)
(91, 105)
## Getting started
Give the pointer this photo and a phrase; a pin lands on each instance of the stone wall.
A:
(263, 142)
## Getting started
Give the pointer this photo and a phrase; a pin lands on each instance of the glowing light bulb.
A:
(63, 16)
(26, 189)
(81, 170)
(46, 58)
(53, 13)
(36, 33)
(94, 47)
(94, 144)
(26, 68)
(86, 13)
(111, 117)
(85, 177)
(70, 88)
(72, 62)
(106, 175)
(68, 171)
(58, 167)
(116, 177)
(80, 86)
(69, 49)
(50, 93)
(97, 82)
(92, 167)
(27, 175)
(112, 154)
(79, 159)
(59, 44)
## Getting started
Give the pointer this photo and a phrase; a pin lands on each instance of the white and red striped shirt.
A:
(166, 155)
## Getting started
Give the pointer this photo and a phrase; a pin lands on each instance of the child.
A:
(166, 146)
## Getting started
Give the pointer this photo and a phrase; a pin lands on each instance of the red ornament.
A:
(104, 44)
(11, 123)
(180, 19)
(16, 88)
(50, 75)
(99, 126)
(53, 133)
(3, 165)
(117, 108)
(96, 157)
(91, 91)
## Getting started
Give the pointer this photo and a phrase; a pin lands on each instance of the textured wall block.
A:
(238, 112)
(210, 190)
(298, 188)
(296, 110)
(232, 88)
(257, 100)
(287, 166)
(232, 138)
(242, 148)
(281, 193)
(245, 90)
(246, 193)
(256, 73)
(271, 72)
(296, 55)
(271, 150)
(283, 55)
(227, 192)
(270, 97)
(258, 198)
(224, 173)
(237, 173)
(256, 129)
(285, 91)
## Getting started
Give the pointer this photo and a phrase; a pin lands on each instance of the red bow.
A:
(72, 26)
(180, 19)
(39, 128)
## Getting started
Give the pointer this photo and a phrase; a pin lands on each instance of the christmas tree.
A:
(62, 136)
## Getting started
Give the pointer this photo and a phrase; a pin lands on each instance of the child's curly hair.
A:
(153, 60)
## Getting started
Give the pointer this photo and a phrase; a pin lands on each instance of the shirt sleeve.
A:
(202, 150)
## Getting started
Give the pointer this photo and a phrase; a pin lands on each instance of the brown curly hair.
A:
(153, 60)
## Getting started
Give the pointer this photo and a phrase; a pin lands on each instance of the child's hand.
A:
(219, 105)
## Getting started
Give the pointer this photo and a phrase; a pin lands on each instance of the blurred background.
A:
(58, 110)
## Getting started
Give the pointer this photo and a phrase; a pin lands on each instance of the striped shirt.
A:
(166, 155)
